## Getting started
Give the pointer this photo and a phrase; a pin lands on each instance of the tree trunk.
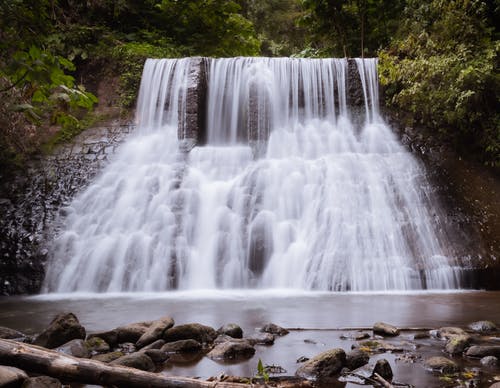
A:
(36, 359)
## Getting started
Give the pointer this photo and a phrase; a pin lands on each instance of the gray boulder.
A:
(457, 344)
(6, 333)
(108, 357)
(441, 364)
(266, 339)
(155, 345)
(194, 331)
(181, 346)
(42, 382)
(385, 329)
(448, 332)
(232, 350)
(489, 361)
(232, 330)
(75, 348)
(480, 351)
(10, 376)
(158, 356)
(323, 366)
(136, 360)
(271, 328)
(155, 331)
(110, 337)
(356, 358)
(97, 345)
(132, 332)
(483, 326)
(62, 329)
(383, 368)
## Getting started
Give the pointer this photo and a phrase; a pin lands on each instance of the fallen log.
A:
(36, 359)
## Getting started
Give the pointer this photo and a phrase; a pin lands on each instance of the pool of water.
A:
(324, 317)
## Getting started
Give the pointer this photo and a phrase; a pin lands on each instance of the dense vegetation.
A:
(439, 58)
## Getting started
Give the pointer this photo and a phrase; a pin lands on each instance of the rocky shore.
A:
(139, 354)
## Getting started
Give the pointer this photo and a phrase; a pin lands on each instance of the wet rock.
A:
(155, 331)
(232, 350)
(356, 358)
(181, 346)
(421, 335)
(132, 332)
(489, 361)
(385, 329)
(457, 344)
(110, 337)
(108, 357)
(495, 385)
(232, 330)
(302, 359)
(479, 351)
(483, 326)
(158, 356)
(11, 377)
(382, 346)
(135, 360)
(97, 345)
(64, 328)
(261, 339)
(448, 332)
(194, 331)
(75, 348)
(361, 336)
(383, 368)
(155, 345)
(274, 329)
(323, 366)
(127, 347)
(6, 333)
(441, 364)
(42, 382)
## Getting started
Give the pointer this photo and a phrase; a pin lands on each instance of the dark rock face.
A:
(324, 366)
(64, 328)
(194, 331)
(356, 359)
(383, 368)
(232, 330)
(31, 204)
(232, 350)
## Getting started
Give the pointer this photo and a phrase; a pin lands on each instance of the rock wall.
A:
(30, 204)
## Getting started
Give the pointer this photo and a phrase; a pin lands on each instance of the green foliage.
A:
(443, 72)
(261, 371)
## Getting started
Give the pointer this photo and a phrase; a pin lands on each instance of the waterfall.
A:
(325, 205)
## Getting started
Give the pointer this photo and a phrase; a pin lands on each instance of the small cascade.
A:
(325, 205)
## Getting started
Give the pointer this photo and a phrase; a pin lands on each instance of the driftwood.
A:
(36, 359)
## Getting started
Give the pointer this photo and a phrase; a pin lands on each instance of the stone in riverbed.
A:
(457, 344)
(156, 355)
(266, 339)
(63, 328)
(155, 345)
(489, 361)
(6, 333)
(135, 360)
(155, 331)
(75, 348)
(108, 357)
(97, 345)
(42, 382)
(323, 366)
(274, 329)
(232, 350)
(385, 329)
(194, 331)
(232, 330)
(483, 326)
(480, 351)
(441, 364)
(181, 346)
(356, 358)
(11, 377)
(110, 337)
(383, 368)
(448, 332)
(132, 332)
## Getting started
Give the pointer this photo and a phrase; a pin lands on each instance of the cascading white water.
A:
(327, 206)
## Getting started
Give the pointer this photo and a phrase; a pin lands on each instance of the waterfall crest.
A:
(327, 205)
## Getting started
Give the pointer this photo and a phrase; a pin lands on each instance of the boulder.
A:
(127, 347)
(457, 344)
(480, 351)
(63, 328)
(132, 332)
(75, 348)
(97, 345)
(181, 346)
(483, 326)
(323, 366)
(489, 361)
(110, 336)
(155, 345)
(356, 358)
(232, 350)
(421, 335)
(42, 382)
(232, 330)
(448, 332)
(158, 356)
(135, 360)
(194, 331)
(108, 357)
(274, 329)
(6, 333)
(261, 339)
(441, 364)
(155, 331)
(383, 368)
(10, 376)
(385, 329)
